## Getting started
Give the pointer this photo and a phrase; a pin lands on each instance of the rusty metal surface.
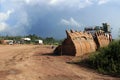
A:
(102, 38)
(80, 43)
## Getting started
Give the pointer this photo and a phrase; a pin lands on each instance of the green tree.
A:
(119, 33)
(33, 37)
(49, 40)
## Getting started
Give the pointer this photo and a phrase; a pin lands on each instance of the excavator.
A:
(79, 43)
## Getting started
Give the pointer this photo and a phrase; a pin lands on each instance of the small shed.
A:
(39, 42)
(25, 40)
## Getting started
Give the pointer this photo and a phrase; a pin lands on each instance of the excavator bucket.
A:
(102, 39)
(76, 44)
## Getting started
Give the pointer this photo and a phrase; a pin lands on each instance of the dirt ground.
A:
(35, 62)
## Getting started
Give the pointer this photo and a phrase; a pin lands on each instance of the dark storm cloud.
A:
(53, 17)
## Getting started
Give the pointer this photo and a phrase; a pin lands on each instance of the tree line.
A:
(33, 37)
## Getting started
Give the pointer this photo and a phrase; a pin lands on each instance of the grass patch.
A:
(107, 60)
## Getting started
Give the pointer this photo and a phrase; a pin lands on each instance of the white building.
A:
(39, 41)
(26, 39)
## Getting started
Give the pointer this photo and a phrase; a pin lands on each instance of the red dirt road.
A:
(35, 62)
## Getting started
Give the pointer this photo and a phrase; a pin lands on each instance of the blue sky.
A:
(50, 18)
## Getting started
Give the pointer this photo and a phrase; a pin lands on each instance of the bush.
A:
(107, 59)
